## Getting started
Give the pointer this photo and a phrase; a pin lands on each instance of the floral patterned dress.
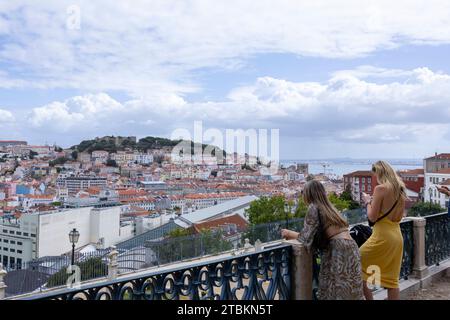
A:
(340, 268)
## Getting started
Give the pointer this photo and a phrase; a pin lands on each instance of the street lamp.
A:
(74, 235)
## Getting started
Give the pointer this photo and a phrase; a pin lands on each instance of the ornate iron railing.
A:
(407, 228)
(437, 238)
(263, 275)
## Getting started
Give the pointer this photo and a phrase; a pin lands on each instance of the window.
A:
(19, 233)
(33, 235)
(5, 249)
(369, 188)
(19, 251)
(19, 243)
(12, 250)
(363, 187)
(369, 180)
(25, 234)
(12, 261)
(5, 241)
(13, 242)
(11, 231)
(5, 230)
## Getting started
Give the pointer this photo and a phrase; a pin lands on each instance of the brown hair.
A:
(314, 193)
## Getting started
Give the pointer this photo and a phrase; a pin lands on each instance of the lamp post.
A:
(74, 235)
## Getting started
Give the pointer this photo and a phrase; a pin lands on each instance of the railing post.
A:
(2, 283)
(113, 264)
(420, 269)
(301, 272)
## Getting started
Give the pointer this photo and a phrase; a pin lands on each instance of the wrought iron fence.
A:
(52, 271)
(154, 249)
(407, 228)
(437, 238)
(175, 249)
(263, 275)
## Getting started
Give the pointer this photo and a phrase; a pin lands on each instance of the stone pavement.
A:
(439, 290)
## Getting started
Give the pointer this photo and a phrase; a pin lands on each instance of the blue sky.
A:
(350, 79)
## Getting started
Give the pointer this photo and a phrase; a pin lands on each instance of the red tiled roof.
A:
(360, 173)
(443, 156)
(236, 219)
(444, 171)
(412, 171)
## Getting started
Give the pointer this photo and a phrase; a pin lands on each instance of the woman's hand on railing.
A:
(289, 234)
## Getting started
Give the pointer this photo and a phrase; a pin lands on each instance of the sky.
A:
(360, 79)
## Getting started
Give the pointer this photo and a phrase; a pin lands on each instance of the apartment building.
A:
(359, 182)
(437, 173)
(46, 233)
(100, 156)
(76, 183)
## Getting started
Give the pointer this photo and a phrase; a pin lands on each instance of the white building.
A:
(46, 233)
(77, 183)
(432, 181)
(100, 156)
(437, 173)
(143, 158)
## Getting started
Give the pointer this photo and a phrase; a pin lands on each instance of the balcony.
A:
(276, 270)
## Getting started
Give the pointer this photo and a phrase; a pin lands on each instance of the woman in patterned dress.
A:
(340, 269)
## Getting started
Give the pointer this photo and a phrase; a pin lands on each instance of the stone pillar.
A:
(301, 272)
(420, 269)
(2, 283)
(113, 264)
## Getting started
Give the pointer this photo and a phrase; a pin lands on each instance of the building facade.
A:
(358, 182)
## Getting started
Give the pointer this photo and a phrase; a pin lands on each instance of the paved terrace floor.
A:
(439, 290)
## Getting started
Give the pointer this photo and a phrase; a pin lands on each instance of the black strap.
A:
(386, 214)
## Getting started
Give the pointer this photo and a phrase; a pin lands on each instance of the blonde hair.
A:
(314, 193)
(387, 175)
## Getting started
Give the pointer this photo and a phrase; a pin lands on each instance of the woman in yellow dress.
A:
(381, 254)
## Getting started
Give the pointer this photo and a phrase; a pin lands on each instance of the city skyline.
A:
(360, 80)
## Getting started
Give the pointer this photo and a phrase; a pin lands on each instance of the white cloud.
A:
(153, 46)
(6, 116)
(344, 108)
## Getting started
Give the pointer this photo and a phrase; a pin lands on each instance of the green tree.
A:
(421, 209)
(89, 269)
(346, 195)
(58, 161)
(338, 202)
(267, 209)
(182, 244)
(179, 232)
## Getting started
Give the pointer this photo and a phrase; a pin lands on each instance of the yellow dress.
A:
(383, 251)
